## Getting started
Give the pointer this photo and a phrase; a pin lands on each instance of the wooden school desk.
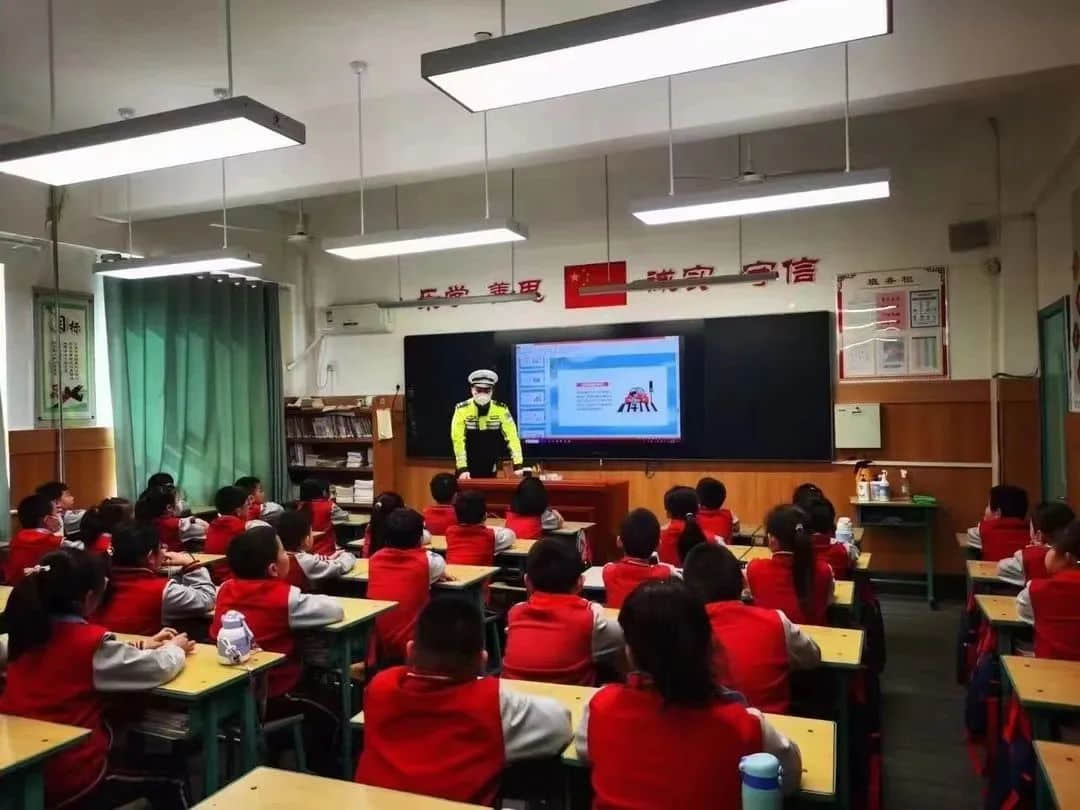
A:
(1000, 611)
(570, 528)
(982, 576)
(758, 533)
(5, 592)
(25, 746)
(214, 692)
(271, 789)
(1044, 687)
(904, 514)
(1058, 777)
(467, 579)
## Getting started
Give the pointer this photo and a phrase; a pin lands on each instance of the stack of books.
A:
(355, 459)
(363, 491)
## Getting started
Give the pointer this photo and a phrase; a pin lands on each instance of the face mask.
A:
(482, 398)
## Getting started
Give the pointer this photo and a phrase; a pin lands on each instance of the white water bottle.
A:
(234, 639)
(761, 782)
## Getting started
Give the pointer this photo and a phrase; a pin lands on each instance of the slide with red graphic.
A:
(599, 389)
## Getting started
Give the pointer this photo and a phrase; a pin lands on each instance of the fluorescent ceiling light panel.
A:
(782, 194)
(426, 240)
(218, 129)
(643, 42)
(235, 262)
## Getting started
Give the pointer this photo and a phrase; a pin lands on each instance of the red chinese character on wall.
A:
(531, 286)
(499, 288)
(801, 271)
(456, 291)
(757, 268)
(429, 292)
(661, 275)
(698, 271)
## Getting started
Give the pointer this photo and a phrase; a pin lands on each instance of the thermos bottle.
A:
(234, 639)
(760, 782)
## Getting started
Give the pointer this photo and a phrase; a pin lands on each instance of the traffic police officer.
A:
(482, 430)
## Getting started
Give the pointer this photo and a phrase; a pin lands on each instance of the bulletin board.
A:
(893, 324)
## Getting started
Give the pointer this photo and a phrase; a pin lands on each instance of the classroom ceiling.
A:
(294, 55)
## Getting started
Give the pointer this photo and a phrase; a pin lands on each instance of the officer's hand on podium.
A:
(520, 471)
(464, 476)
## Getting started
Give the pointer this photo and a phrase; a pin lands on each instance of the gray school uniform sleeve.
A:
(581, 736)
(73, 544)
(974, 539)
(785, 750)
(307, 610)
(271, 509)
(851, 549)
(551, 520)
(504, 539)
(532, 726)
(1011, 569)
(436, 565)
(337, 514)
(803, 651)
(120, 667)
(72, 519)
(192, 528)
(607, 636)
(1023, 605)
(318, 567)
(188, 594)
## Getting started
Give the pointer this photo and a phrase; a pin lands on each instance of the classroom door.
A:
(1054, 396)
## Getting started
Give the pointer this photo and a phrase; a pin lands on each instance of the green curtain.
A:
(195, 369)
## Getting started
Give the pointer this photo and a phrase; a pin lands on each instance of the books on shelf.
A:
(356, 458)
(334, 426)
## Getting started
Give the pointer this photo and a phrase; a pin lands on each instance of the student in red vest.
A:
(66, 516)
(793, 580)
(1048, 520)
(307, 569)
(140, 599)
(556, 635)
(33, 541)
(470, 541)
(639, 537)
(259, 508)
(439, 727)
(1004, 528)
(315, 500)
(529, 515)
(440, 514)
(840, 556)
(754, 648)
(159, 506)
(715, 519)
(696, 733)
(683, 531)
(96, 526)
(60, 669)
(401, 571)
(1053, 604)
(231, 504)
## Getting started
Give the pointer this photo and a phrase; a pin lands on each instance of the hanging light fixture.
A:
(643, 42)
(220, 129)
(382, 244)
(758, 196)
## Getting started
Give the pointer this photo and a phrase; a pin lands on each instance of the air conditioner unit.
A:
(355, 319)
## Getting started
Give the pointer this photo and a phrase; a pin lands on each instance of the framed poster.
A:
(893, 324)
(63, 356)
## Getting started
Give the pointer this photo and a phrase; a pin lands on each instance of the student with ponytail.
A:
(794, 580)
(683, 531)
(59, 666)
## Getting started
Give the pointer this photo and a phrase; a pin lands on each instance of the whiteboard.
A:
(857, 425)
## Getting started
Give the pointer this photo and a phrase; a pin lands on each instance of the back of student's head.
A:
(250, 553)
(1051, 518)
(449, 637)
(248, 483)
(114, 511)
(381, 508)
(160, 479)
(154, 503)
(404, 528)
(1068, 541)
(229, 499)
(1012, 501)
(822, 515)
(293, 527)
(530, 498)
(470, 508)
(52, 490)
(713, 573)
(640, 534)
(443, 487)
(681, 503)
(804, 493)
(132, 542)
(313, 489)
(788, 524)
(553, 565)
(57, 586)
(33, 509)
(670, 639)
(711, 493)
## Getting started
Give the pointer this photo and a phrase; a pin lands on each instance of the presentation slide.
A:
(599, 389)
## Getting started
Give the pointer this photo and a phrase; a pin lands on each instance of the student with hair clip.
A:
(440, 515)
(97, 524)
(1048, 521)
(696, 731)
(840, 556)
(793, 580)
(529, 515)
(140, 599)
(639, 537)
(159, 506)
(381, 507)
(316, 501)
(683, 531)
(59, 667)
(34, 540)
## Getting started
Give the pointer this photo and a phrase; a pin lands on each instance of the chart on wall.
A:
(893, 323)
(63, 355)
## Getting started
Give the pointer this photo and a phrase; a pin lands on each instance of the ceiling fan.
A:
(298, 237)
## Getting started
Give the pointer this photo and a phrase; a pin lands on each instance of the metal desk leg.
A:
(345, 687)
(25, 790)
(249, 730)
(1044, 800)
(211, 719)
(843, 742)
(930, 565)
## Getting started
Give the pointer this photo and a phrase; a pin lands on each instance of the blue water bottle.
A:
(760, 782)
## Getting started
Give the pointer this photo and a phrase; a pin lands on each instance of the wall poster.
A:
(893, 323)
(63, 356)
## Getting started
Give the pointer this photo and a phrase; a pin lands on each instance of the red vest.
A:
(433, 736)
(470, 545)
(773, 586)
(835, 554)
(690, 760)
(320, 511)
(55, 683)
(623, 576)
(27, 547)
(717, 523)
(254, 511)
(1056, 604)
(1003, 537)
(221, 530)
(549, 638)
(168, 529)
(135, 603)
(1034, 559)
(102, 545)
(296, 575)
(750, 654)
(265, 605)
(668, 551)
(438, 517)
(400, 575)
(526, 527)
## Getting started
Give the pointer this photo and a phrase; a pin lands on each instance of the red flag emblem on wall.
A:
(589, 275)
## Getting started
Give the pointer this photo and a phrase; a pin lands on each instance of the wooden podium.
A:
(604, 503)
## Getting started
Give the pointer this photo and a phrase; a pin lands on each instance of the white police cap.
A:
(483, 376)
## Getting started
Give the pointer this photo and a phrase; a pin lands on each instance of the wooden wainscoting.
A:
(1072, 456)
(89, 462)
(1019, 435)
